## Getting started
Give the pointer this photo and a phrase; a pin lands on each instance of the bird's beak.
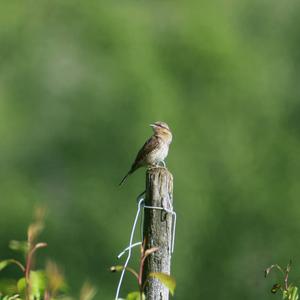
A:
(152, 125)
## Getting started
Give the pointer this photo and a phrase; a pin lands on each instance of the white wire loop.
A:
(141, 204)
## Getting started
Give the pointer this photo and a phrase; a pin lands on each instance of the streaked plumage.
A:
(155, 150)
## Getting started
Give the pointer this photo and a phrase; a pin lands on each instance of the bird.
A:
(155, 150)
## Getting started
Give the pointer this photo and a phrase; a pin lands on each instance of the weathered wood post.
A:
(158, 229)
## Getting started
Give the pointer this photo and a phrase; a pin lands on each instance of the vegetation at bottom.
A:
(288, 290)
(35, 284)
(49, 283)
(166, 279)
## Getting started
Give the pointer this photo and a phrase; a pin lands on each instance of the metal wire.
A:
(141, 200)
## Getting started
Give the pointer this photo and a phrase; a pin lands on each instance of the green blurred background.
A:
(79, 83)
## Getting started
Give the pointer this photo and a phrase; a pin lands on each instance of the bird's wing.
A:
(147, 148)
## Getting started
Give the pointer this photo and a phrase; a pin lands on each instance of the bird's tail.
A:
(132, 169)
(124, 178)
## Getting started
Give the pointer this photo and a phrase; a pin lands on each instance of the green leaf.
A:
(14, 297)
(19, 246)
(38, 283)
(293, 291)
(5, 263)
(166, 279)
(135, 296)
(21, 284)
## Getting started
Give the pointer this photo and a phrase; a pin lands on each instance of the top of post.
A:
(159, 186)
(160, 172)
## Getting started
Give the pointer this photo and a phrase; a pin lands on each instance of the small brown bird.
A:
(155, 150)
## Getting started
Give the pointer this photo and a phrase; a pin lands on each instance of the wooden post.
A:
(158, 229)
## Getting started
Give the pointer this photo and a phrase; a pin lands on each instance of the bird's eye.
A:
(160, 125)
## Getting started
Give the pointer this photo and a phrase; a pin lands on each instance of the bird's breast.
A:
(158, 154)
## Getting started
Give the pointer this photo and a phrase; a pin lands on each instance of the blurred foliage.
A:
(167, 280)
(80, 82)
(46, 284)
(288, 290)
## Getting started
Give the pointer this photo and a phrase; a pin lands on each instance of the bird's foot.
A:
(157, 166)
(151, 167)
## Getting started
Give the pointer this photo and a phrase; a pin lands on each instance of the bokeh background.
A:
(79, 83)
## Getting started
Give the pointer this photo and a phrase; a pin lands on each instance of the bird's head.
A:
(162, 129)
